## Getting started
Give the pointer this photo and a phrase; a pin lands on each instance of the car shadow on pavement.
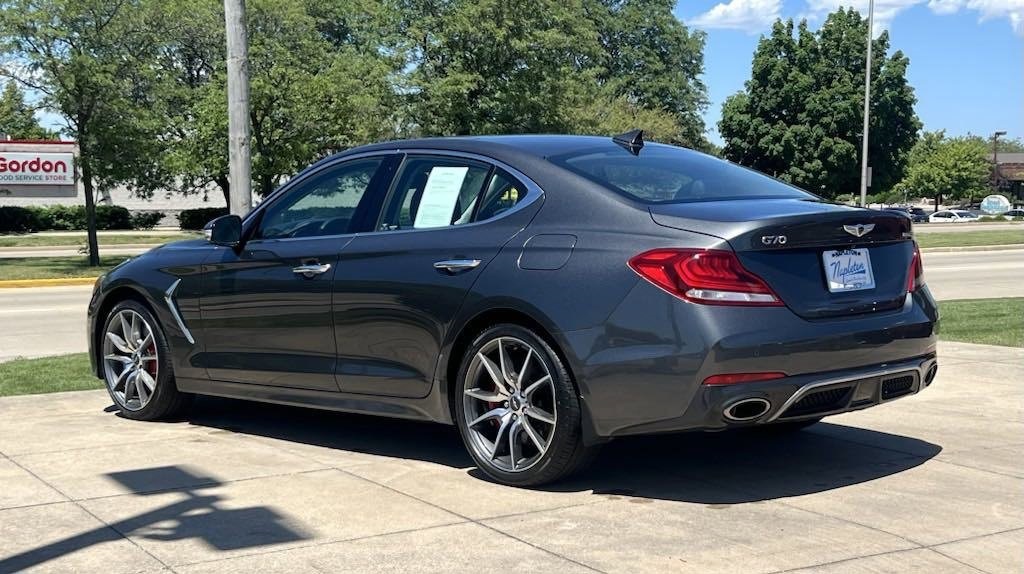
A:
(195, 514)
(711, 468)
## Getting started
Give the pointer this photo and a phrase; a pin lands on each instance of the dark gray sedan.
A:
(543, 293)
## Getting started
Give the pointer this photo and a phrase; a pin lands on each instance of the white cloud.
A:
(886, 10)
(751, 16)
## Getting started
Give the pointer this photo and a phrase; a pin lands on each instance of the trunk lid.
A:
(785, 242)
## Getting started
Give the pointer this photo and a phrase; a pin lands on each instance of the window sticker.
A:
(440, 195)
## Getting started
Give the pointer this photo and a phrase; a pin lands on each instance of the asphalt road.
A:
(961, 227)
(975, 274)
(51, 321)
(928, 483)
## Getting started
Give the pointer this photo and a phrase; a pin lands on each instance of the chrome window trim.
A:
(533, 191)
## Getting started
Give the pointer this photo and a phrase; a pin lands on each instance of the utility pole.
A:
(867, 111)
(995, 160)
(239, 163)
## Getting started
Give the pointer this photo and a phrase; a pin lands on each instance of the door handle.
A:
(311, 270)
(453, 266)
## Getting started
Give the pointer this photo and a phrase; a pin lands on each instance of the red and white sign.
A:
(30, 168)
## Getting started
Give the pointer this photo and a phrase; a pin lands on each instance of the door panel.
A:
(397, 290)
(266, 324)
(266, 309)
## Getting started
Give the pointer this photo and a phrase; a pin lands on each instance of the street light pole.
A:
(867, 111)
(239, 166)
(995, 159)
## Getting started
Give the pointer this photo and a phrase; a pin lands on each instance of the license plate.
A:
(848, 270)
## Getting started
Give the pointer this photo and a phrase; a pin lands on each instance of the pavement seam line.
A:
(472, 520)
(326, 542)
(448, 511)
(995, 472)
(957, 560)
(96, 518)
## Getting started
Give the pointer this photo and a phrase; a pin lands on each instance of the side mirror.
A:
(226, 230)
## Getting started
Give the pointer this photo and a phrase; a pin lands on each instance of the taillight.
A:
(915, 276)
(708, 276)
(734, 378)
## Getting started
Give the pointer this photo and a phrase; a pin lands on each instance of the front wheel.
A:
(137, 364)
(517, 409)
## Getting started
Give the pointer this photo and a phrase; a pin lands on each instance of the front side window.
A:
(434, 192)
(667, 174)
(324, 204)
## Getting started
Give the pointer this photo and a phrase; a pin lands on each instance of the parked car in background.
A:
(1014, 213)
(916, 214)
(545, 294)
(952, 216)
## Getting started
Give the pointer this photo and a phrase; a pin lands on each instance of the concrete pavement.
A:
(20, 252)
(933, 482)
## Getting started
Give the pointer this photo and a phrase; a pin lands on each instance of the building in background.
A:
(1010, 176)
(44, 173)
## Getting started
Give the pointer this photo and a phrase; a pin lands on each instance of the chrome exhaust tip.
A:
(930, 376)
(747, 409)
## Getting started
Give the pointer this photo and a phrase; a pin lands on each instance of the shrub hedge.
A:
(195, 219)
(16, 219)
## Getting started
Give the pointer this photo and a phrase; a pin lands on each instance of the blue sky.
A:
(966, 56)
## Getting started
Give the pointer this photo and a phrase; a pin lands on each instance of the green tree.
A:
(18, 119)
(947, 168)
(317, 85)
(652, 60)
(90, 61)
(800, 115)
(577, 66)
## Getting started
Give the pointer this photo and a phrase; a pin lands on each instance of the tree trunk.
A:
(938, 200)
(90, 208)
(225, 187)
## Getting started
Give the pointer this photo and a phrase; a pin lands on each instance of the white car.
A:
(952, 216)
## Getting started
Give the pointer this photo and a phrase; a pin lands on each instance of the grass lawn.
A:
(969, 238)
(55, 267)
(77, 239)
(984, 321)
(47, 375)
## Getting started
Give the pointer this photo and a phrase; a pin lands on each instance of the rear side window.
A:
(434, 192)
(666, 174)
(502, 193)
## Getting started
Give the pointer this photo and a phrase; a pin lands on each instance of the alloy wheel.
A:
(509, 402)
(130, 360)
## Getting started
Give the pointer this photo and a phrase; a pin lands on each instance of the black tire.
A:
(166, 400)
(566, 452)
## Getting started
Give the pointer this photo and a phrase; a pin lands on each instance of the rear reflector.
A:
(734, 378)
(709, 276)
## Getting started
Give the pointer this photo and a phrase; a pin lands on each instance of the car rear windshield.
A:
(667, 174)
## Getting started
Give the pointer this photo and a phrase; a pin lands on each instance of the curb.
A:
(1008, 247)
(29, 283)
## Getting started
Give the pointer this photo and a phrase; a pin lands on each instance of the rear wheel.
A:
(517, 409)
(137, 364)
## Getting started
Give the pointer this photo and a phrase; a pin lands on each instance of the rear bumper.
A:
(812, 396)
(640, 372)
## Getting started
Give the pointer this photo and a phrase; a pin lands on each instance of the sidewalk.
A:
(932, 482)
